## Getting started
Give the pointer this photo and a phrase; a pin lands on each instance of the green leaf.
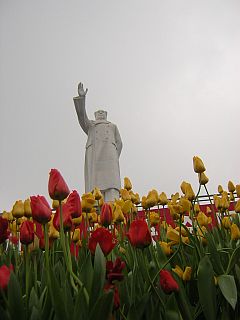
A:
(206, 288)
(15, 299)
(228, 288)
(136, 310)
(103, 307)
(81, 306)
(86, 272)
(99, 274)
(233, 259)
(35, 315)
(215, 255)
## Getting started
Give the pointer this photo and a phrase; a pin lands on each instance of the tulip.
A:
(104, 238)
(231, 187)
(190, 195)
(225, 202)
(220, 189)
(74, 204)
(152, 199)
(114, 270)
(235, 232)
(27, 232)
(203, 220)
(174, 236)
(165, 248)
(163, 200)
(55, 204)
(139, 234)
(92, 216)
(127, 206)
(27, 208)
(52, 231)
(4, 232)
(201, 232)
(196, 208)
(118, 216)
(237, 206)
(97, 194)
(226, 223)
(198, 165)
(41, 211)
(238, 190)
(134, 197)
(66, 216)
(76, 236)
(175, 198)
(185, 205)
(106, 215)
(18, 209)
(203, 179)
(127, 184)
(178, 270)
(183, 186)
(217, 202)
(57, 187)
(187, 274)
(154, 218)
(231, 196)
(167, 282)
(88, 202)
(5, 273)
(124, 193)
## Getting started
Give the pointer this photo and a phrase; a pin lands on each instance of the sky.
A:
(167, 72)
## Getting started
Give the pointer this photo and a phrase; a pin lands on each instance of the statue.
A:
(103, 148)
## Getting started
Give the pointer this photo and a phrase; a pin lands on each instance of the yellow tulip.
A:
(235, 232)
(231, 196)
(231, 187)
(55, 204)
(88, 202)
(238, 190)
(18, 209)
(187, 274)
(174, 236)
(220, 189)
(127, 184)
(196, 208)
(183, 186)
(209, 211)
(97, 194)
(237, 206)
(175, 210)
(163, 200)
(198, 165)
(190, 195)
(165, 248)
(5, 215)
(201, 232)
(225, 203)
(203, 179)
(217, 202)
(92, 216)
(185, 205)
(226, 222)
(52, 232)
(175, 197)
(183, 231)
(178, 270)
(125, 194)
(76, 235)
(27, 208)
(154, 218)
(127, 207)
(118, 214)
(77, 221)
(203, 220)
(144, 203)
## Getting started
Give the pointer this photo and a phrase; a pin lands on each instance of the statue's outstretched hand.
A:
(81, 91)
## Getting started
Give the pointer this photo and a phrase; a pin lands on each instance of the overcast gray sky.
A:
(167, 72)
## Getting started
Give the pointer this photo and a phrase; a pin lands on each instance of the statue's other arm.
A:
(118, 141)
(79, 103)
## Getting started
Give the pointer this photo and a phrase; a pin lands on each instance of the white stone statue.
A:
(103, 148)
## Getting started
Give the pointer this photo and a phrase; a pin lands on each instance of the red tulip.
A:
(139, 234)
(5, 273)
(74, 204)
(27, 232)
(116, 298)
(114, 270)
(106, 215)
(4, 232)
(167, 282)
(105, 240)
(41, 211)
(57, 187)
(67, 218)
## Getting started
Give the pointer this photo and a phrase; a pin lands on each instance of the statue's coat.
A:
(103, 149)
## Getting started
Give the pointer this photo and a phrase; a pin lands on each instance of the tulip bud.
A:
(165, 248)
(27, 232)
(183, 186)
(231, 187)
(187, 274)
(237, 206)
(238, 190)
(190, 195)
(196, 208)
(203, 179)
(163, 200)
(125, 194)
(235, 232)
(220, 189)
(127, 206)
(154, 218)
(27, 208)
(106, 215)
(226, 223)
(18, 209)
(55, 204)
(118, 216)
(178, 270)
(76, 235)
(198, 165)
(127, 184)
(97, 194)
(57, 187)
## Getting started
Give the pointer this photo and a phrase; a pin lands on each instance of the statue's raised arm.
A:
(79, 103)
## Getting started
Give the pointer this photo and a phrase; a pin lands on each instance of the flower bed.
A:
(86, 259)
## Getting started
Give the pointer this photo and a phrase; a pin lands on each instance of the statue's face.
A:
(100, 115)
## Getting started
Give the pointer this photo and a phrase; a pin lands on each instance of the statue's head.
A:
(100, 115)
